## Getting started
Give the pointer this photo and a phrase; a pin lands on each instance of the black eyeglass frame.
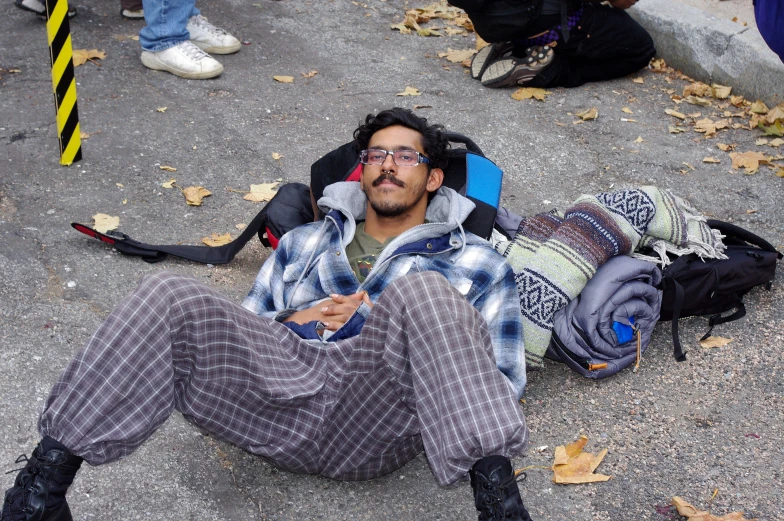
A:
(363, 156)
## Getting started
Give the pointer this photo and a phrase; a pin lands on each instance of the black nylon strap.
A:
(680, 356)
(565, 20)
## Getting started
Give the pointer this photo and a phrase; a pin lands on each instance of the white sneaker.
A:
(210, 38)
(184, 60)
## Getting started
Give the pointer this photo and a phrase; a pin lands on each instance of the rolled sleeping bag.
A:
(596, 333)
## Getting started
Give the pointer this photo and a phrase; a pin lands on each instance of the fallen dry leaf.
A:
(309, 74)
(194, 195)
(571, 465)
(119, 185)
(639, 139)
(167, 168)
(774, 114)
(658, 65)
(675, 113)
(587, 114)
(401, 27)
(750, 161)
(737, 101)
(530, 92)
(710, 160)
(675, 130)
(162, 109)
(715, 341)
(692, 514)
(696, 100)
(697, 89)
(706, 126)
(627, 110)
(725, 147)
(776, 142)
(780, 172)
(456, 56)
(284, 79)
(169, 183)
(721, 91)
(261, 192)
(638, 80)
(84, 135)
(761, 141)
(80, 56)
(410, 91)
(217, 240)
(103, 222)
(722, 124)
(776, 129)
(759, 107)
(241, 226)
(276, 156)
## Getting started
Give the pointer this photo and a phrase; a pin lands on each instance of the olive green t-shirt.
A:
(363, 251)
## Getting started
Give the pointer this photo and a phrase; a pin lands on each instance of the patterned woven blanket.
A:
(553, 256)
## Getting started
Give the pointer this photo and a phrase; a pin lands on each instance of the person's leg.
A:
(166, 23)
(175, 343)
(607, 43)
(421, 374)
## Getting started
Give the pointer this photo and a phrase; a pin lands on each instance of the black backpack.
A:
(468, 172)
(694, 287)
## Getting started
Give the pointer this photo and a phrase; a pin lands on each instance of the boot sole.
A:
(227, 49)
(486, 56)
(153, 63)
(511, 72)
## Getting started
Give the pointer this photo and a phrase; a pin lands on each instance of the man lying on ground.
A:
(368, 337)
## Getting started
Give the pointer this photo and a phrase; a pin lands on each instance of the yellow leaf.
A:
(162, 109)
(697, 89)
(638, 80)
(80, 56)
(125, 201)
(658, 65)
(168, 168)
(103, 223)
(759, 107)
(750, 161)
(401, 27)
(639, 139)
(452, 31)
(696, 100)
(776, 142)
(692, 514)
(276, 156)
(675, 113)
(724, 147)
(761, 141)
(217, 240)
(284, 79)
(455, 56)
(427, 32)
(780, 172)
(410, 91)
(776, 113)
(676, 130)
(194, 195)
(571, 465)
(84, 135)
(722, 124)
(706, 126)
(309, 74)
(261, 192)
(120, 185)
(241, 226)
(721, 91)
(169, 183)
(530, 92)
(586, 114)
(627, 110)
(710, 160)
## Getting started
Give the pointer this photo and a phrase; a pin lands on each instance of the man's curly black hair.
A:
(434, 141)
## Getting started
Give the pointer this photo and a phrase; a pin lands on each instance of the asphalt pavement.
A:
(712, 424)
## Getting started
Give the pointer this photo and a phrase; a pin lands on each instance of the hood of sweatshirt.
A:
(445, 213)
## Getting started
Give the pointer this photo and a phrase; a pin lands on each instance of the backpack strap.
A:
(291, 195)
(736, 232)
(715, 320)
(680, 356)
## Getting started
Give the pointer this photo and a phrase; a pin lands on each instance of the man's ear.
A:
(434, 179)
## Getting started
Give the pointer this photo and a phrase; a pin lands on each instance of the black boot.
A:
(496, 495)
(38, 493)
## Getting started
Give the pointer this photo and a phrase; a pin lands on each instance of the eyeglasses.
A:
(376, 156)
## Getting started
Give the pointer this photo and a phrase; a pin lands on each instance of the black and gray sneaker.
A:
(39, 8)
(496, 495)
(39, 490)
(487, 55)
(512, 71)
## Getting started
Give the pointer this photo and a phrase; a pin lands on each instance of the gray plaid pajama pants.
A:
(420, 376)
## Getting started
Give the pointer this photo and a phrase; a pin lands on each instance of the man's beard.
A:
(393, 209)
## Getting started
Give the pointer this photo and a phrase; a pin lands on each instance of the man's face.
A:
(394, 190)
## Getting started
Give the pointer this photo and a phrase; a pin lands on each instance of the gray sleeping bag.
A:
(596, 333)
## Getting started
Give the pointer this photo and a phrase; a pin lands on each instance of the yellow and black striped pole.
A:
(63, 81)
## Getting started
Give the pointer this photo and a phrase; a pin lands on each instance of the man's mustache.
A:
(388, 177)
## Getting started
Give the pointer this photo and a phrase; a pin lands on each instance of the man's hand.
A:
(622, 4)
(332, 313)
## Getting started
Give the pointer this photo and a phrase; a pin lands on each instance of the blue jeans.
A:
(166, 21)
